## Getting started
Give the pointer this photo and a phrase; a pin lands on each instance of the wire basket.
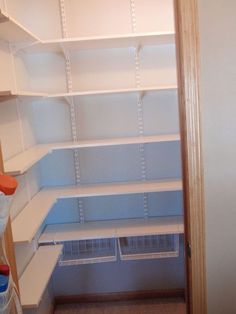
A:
(88, 252)
(149, 247)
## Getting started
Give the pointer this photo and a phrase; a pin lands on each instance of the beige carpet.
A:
(129, 307)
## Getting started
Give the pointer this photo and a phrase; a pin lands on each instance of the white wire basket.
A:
(149, 247)
(88, 252)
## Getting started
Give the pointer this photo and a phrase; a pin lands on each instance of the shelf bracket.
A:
(138, 48)
(64, 52)
(17, 48)
(68, 100)
(141, 94)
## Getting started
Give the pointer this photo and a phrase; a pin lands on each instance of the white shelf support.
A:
(73, 114)
(63, 18)
(139, 107)
(36, 276)
(5, 6)
(133, 16)
(13, 65)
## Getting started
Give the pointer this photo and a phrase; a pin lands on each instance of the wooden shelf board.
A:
(6, 95)
(151, 226)
(29, 220)
(118, 141)
(13, 32)
(121, 188)
(9, 94)
(23, 161)
(115, 91)
(102, 42)
(112, 229)
(30, 94)
(36, 276)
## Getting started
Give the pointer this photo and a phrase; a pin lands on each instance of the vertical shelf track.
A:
(73, 113)
(4, 6)
(139, 107)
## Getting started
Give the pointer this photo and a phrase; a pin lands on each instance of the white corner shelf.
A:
(13, 32)
(58, 233)
(9, 94)
(20, 163)
(25, 160)
(37, 274)
(120, 188)
(29, 220)
(114, 91)
(88, 252)
(6, 95)
(102, 42)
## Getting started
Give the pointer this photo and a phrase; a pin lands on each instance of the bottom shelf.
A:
(88, 252)
(149, 247)
(93, 251)
(36, 276)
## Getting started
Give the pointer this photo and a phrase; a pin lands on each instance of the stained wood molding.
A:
(9, 240)
(189, 104)
(121, 296)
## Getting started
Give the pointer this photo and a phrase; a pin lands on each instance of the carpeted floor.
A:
(129, 307)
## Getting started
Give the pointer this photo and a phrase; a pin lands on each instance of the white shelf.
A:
(112, 229)
(13, 32)
(23, 161)
(118, 141)
(102, 42)
(27, 223)
(37, 275)
(115, 91)
(120, 188)
(4, 95)
(8, 94)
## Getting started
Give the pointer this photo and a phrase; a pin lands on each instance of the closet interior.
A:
(89, 125)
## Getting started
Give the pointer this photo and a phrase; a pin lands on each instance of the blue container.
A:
(4, 280)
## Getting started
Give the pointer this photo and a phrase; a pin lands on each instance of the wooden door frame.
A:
(8, 239)
(188, 64)
(189, 104)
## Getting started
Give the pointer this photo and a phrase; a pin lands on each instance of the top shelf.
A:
(13, 32)
(9, 94)
(5, 95)
(102, 42)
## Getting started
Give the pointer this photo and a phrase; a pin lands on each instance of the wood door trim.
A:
(178, 294)
(9, 245)
(187, 39)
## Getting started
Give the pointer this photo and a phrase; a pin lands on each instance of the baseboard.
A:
(121, 296)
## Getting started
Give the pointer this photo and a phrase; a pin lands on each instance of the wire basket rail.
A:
(149, 247)
(88, 252)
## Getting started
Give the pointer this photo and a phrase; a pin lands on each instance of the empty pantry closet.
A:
(89, 125)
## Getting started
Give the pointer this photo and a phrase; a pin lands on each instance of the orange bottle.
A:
(8, 187)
